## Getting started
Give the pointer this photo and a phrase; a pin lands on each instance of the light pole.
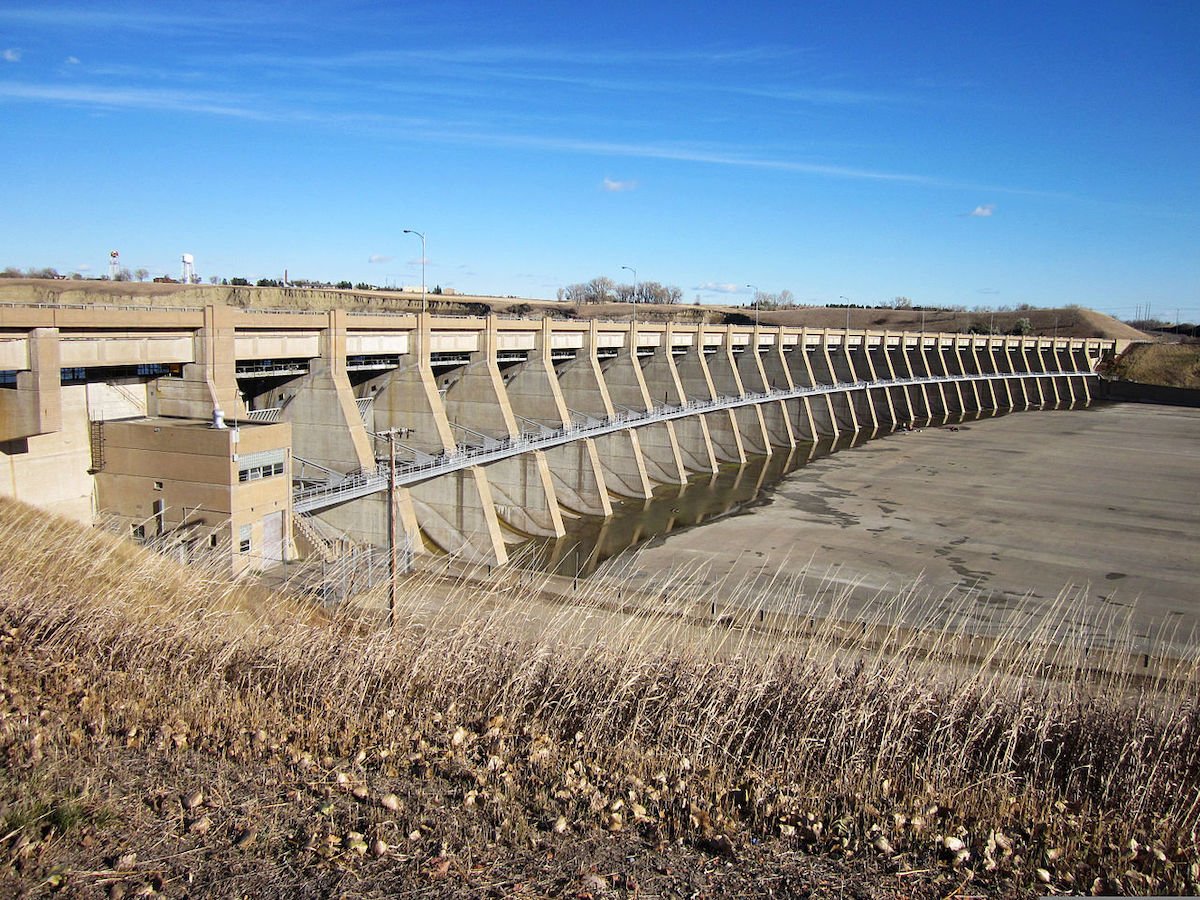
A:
(755, 287)
(421, 235)
(635, 281)
(847, 299)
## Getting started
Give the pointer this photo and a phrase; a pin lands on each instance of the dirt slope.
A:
(1173, 365)
(1069, 322)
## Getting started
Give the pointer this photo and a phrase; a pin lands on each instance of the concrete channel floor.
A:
(1086, 517)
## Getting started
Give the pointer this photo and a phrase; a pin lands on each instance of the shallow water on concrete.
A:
(735, 489)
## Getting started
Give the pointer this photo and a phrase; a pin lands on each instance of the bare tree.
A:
(141, 274)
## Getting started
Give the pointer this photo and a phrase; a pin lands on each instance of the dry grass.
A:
(1173, 365)
(940, 769)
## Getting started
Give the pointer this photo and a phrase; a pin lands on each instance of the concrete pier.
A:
(499, 424)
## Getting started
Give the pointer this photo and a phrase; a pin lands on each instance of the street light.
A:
(755, 286)
(635, 281)
(847, 299)
(421, 235)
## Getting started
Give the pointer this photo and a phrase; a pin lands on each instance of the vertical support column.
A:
(211, 381)
(696, 379)
(35, 407)
(938, 390)
(478, 400)
(1056, 348)
(861, 402)
(1029, 370)
(970, 391)
(1017, 372)
(627, 388)
(407, 397)
(326, 426)
(820, 406)
(898, 397)
(458, 513)
(728, 382)
(882, 407)
(576, 478)
(584, 391)
(691, 434)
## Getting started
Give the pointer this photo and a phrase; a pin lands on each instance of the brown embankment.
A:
(1069, 322)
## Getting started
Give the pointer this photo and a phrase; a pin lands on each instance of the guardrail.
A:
(365, 483)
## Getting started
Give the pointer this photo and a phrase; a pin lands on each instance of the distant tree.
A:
(267, 282)
(1022, 326)
(786, 298)
(141, 274)
(214, 279)
(225, 281)
(123, 275)
(362, 286)
(11, 272)
(344, 285)
(437, 289)
(239, 282)
(902, 303)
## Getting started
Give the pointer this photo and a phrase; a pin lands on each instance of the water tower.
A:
(114, 264)
(189, 269)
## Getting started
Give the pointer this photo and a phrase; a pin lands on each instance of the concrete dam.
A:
(259, 436)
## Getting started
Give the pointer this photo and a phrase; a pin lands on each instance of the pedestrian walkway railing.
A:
(362, 484)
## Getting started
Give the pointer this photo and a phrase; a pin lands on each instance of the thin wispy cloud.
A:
(379, 258)
(982, 212)
(137, 98)
(613, 186)
(718, 287)
(72, 60)
(12, 55)
(248, 107)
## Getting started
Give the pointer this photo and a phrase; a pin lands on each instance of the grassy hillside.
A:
(165, 731)
(1174, 365)
(1070, 322)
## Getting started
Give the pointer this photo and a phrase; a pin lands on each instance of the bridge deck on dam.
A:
(501, 427)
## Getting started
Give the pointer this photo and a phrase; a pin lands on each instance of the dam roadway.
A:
(502, 426)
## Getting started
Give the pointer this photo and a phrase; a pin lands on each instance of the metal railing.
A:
(369, 482)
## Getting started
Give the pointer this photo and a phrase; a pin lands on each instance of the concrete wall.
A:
(442, 384)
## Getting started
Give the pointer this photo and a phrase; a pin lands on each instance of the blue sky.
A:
(977, 154)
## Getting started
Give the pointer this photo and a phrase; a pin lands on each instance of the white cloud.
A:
(379, 258)
(718, 287)
(84, 267)
(615, 187)
(12, 55)
(982, 212)
(72, 60)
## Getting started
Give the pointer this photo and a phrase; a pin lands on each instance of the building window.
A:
(138, 532)
(158, 485)
(212, 539)
(265, 464)
(244, 539)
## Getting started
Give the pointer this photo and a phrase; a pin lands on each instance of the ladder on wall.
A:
(96, 441)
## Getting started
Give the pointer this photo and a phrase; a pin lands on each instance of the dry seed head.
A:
(192, 799)
(560, 825)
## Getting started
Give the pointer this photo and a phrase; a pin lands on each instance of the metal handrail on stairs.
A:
(368, 482)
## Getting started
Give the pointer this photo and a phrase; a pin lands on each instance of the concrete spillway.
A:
(500, 427)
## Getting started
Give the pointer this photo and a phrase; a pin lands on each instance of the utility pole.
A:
(392, 573)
